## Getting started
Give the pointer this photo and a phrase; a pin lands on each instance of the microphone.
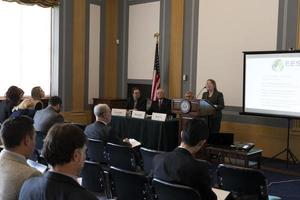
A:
(200, 92)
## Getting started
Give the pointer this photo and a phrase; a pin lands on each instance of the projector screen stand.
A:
(289, 154)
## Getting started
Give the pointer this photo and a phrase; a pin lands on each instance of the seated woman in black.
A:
(12, 98)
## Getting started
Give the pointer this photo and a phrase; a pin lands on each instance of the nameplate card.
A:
(138, 114)
(118, 112)
(159, 116)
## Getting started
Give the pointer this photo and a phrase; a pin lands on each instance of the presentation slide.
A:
(272, 83)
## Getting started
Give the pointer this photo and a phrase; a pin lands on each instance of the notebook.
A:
(40, 167)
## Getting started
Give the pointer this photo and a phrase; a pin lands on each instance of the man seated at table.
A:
(180, 165)
(162, 104)
(136, 101)
(64, 149)
(189, 95)
(101, 130)
(18, 137)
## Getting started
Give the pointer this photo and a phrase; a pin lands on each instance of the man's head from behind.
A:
(64, 148)
(102, 112)
(55, 102)
(195, 134)
(18, 135)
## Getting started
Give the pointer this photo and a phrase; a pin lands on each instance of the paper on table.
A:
(221, 194)
(134, 142)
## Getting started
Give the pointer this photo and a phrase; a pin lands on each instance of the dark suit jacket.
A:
(164, 108)
(54, 186)
(100, 131)
(141, 104)
(44, 119)
(215, 120)
(216, 99)
(180, 167)
(5, 110)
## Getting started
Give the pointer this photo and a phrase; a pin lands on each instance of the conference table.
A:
(156, 135)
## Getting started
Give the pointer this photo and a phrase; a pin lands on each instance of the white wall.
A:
(226, 29)
(94, 52)
(143, 23)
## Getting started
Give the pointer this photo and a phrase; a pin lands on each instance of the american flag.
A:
(156, 75)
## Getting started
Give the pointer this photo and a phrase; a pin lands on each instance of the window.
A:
(25, 47)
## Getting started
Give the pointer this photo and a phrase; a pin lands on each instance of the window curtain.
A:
(42, 3)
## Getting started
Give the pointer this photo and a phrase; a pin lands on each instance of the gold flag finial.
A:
(156, 35)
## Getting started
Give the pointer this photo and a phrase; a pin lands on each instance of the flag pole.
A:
(156, 35)
(156, 73)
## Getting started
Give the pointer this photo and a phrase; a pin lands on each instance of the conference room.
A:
(143, 70)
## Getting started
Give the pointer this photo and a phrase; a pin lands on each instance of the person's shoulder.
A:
(168, 100)
(219, 93)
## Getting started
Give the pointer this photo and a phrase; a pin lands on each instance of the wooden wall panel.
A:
(78, 117)
(110, 50)
(271, 139)
(79, 32)
(176, 48)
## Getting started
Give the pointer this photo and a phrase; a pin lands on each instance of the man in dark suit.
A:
(136, 101)
(64, 150)
(100, 129)
(162, 104)
(44, 119)
(180, 166)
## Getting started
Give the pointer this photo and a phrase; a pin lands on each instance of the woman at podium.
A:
(216, 98)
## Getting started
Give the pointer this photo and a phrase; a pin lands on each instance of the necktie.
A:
(159, 103)
(135, 103)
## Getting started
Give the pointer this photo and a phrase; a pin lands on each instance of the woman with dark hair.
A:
(13, 97)
(216, 98)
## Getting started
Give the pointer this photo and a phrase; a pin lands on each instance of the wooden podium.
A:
(198, 108)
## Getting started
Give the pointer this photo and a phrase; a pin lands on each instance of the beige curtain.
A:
(42, 3)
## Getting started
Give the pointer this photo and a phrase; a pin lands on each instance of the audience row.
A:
(64, 150)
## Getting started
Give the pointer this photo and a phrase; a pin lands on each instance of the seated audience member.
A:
(47, 117)
(180, 166)
(100, 129)
(64, 149)
(136, 101)
(18, 137)
(37, 93)
(189, 95)
(24, 108)
(13, 97)
(162, 104)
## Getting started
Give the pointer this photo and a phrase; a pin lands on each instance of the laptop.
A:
(220, 139)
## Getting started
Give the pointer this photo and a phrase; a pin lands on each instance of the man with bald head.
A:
(100, 130)
(162, 104)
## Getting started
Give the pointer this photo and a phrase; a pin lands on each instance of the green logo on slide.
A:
(278, 65)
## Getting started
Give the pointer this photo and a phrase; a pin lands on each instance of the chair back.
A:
(129, 185)
(93, 177)
(170, 191)
(96, 151)
(121, 156)
(39, 139)
(243, 182)
(148, 155)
